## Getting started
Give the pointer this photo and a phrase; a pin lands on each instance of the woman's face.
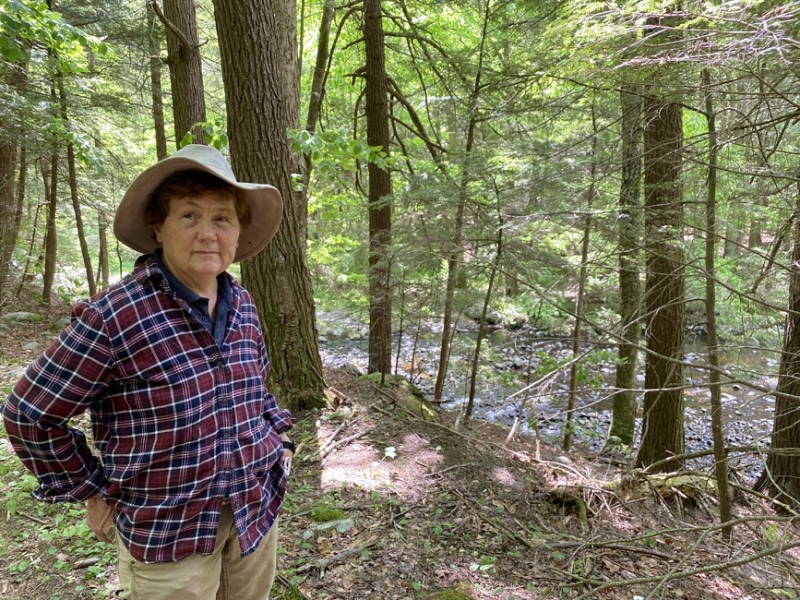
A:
(199, 237)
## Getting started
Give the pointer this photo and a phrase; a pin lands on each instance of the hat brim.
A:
(266, 208)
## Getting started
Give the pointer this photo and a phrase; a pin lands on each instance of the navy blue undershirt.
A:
(199, 304)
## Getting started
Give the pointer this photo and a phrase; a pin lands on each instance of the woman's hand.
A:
(100, 518)
(288, 453)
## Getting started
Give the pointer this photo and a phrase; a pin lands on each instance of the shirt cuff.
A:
(94, 484)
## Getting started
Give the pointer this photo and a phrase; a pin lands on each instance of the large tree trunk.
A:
(156, 90)
(380, 189)
(15, 77)
(258, 115)
(629, 225)
(780, 476)
(185, 68)
(662, 425)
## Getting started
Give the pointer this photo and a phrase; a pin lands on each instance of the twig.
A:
(288, 584)
(32, 518)
(434, 473)
(340, 395)
(344, 424)
(327, 562)
(323, 453)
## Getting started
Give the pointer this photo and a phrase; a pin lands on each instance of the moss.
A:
(324, 513)
(457, 592)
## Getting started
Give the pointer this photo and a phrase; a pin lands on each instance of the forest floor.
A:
(388, 500)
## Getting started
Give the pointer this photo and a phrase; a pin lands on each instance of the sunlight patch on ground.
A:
(504, 477)
(371, 466)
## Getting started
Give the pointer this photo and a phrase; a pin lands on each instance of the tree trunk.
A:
(779, 478)
(380, 189)
(721, 463)
(569, 425)
(455, 272)
(629, 226)
(318, 81)
(258, 116)
(186, 69)
(102, 253)
(482, 325)
(156, 90)
(662, 425)
(15, 77)
(50, 241)
(73, 189)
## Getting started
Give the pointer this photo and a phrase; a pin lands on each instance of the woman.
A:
(170, 363)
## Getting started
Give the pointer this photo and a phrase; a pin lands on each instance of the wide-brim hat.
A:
(266, 205)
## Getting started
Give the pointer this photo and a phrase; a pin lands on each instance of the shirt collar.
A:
(224, 292)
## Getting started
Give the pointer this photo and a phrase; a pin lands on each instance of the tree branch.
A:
(168, 24)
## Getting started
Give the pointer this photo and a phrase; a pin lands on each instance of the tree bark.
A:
(569, 425)
(779, 478)
(380, 189)
(102, 254)
(185, 68)
(318, 80)
(50, 240)
(15, 77)
(156, 89)
(73, 190)
(258, 116)
(721, 463)
(629, 227)
(662, 425)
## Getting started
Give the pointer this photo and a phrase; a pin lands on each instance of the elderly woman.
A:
(170, 363)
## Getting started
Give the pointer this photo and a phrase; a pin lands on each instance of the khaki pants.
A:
(224, 575)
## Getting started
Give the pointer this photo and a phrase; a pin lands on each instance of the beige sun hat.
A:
(266, 206)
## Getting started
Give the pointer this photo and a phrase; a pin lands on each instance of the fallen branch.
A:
(343, 442)
(327, 562)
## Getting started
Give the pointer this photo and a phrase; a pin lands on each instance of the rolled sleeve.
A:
(55, 388)
(280, 418)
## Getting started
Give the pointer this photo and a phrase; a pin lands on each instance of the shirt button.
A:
(219, 364)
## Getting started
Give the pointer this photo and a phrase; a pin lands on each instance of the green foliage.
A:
(215, 134)
(30, 21)
(324, 513)
(332, 151)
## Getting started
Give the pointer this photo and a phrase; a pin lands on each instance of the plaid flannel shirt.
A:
(180, 423)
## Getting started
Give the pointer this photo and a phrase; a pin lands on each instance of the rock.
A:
(492, 316)
(517, 322)
(31, 346)
(60, 324)
(21, 317)
(353, 369)
(341, 525)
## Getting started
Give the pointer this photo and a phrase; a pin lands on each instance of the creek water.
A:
(511, 360)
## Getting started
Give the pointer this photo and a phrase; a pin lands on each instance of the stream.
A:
(509, 362)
